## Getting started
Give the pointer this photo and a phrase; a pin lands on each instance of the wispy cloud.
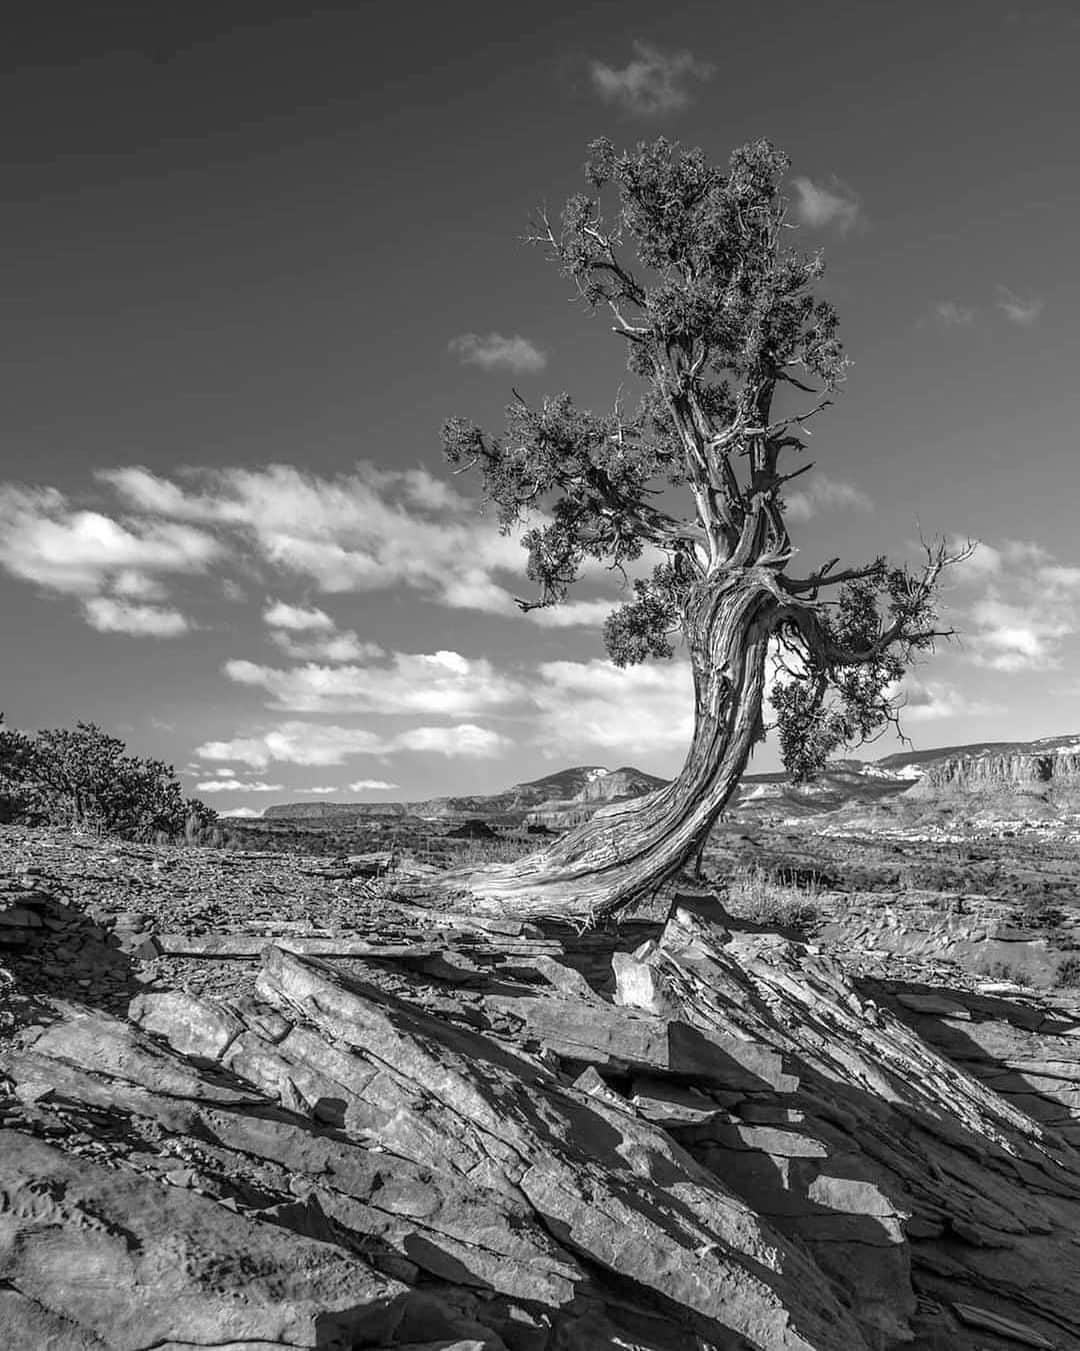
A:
(951, 314)
(223, 785)
(368, 530)
(116, 567)
(825, 494)
(321, 639)
(1021, 310)
(343, 647)
(144, 621)
(933, 700)
(297, 618)
(819, 207)
(653, 82)
(363, 531)
(634, 710)
(1028, 608)
(492, 351)
(443, 683)
(307, 743)
(574, 613)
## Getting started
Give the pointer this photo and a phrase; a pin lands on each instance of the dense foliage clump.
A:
(84, 779)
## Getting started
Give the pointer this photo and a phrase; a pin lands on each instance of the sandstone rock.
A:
(133, 1265)
(606, 1035)
(638, 1206)
(189, 1025)
(1004, 1327)
(672, 1104)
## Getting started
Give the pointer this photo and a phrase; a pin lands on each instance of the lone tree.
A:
(717, 309)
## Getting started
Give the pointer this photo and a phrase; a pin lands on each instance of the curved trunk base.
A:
(506, 891)
(629, 851)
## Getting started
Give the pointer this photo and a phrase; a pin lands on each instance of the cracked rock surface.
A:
(440, 1133)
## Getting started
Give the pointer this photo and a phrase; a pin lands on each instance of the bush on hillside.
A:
(84, 779)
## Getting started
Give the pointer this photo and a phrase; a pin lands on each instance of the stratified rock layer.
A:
(738, 1149)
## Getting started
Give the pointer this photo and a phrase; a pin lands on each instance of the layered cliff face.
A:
(1017, 771)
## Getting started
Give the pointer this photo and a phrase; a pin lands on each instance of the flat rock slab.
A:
(933, 1005)
(605, 1034)
(989, 1321)
(250, 946)
(74, 1233)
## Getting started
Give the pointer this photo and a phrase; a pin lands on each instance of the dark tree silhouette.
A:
(737, 355)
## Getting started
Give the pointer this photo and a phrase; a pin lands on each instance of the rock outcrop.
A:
(712, 1139)
(583, 784)
(988, 771)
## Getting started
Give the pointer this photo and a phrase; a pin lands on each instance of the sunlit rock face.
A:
(507, 1136)
(973, 773)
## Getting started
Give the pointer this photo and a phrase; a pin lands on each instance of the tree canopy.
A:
(697, 266)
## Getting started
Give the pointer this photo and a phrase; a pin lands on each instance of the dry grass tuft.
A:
(755, 895)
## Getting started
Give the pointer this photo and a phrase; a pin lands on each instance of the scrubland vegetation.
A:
(83, 779)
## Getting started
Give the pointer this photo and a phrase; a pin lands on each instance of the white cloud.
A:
(818, 206)
(1058, 578)
(357, 786)
(44, 539)
(297, 618)
(306, 743)
(117, 616)
(493, 351)
(1026, 552)
(653, 82)
(327, 642)
(932, 700)
(951, 314)
(984, 562)
(1027, 607)
(444, 683)
(357, 532)
(572, 613)
(1011, 637)
(634, 710)
(1021, 310)
(825, 494)
(475, 743)
(220, 785)
(347, 646)
(242, 813)
(296, 743)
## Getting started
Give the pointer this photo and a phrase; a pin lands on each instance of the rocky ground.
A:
(256, 1101)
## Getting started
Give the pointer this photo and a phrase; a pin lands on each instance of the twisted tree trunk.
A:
(628, 850)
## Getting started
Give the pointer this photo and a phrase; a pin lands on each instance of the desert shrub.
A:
(1038, 911)
(755, 895)
(16, 795)
(1068, 973)
(466, 853)
(1008, 974)
(84, 779)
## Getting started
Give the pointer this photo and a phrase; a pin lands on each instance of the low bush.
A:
(83, 779)
(755, 895)
(1068, 973)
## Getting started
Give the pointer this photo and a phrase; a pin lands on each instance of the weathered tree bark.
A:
(629, 850)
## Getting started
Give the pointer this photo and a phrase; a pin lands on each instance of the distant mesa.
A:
(580, 790)
(1029, 778)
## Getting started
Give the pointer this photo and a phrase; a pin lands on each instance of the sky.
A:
(254, 256)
